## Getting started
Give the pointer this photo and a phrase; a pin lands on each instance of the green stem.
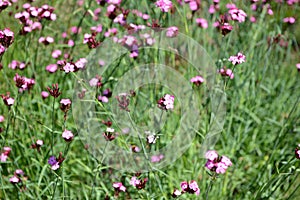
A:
(52, 131)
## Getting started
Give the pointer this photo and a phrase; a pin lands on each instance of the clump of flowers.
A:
(55, 162)
(226, 72)
(23, 83)
(297, 152)
(237, 59)
(138, 183)
(67, 135)
(5, 153)
(216, 163)
(166, 102)
(17, 65)
(197, 80)
(164, 5)
(187, 187)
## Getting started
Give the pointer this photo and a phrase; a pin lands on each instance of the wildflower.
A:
(4, 4)
(172, 32)
(96, 82)
(151, 139)
(23, 83)
(226, 72)
(37, 145)
(191, 187)
(2, 49)
(237, 14)
(216, 163)
(298, 67)
(164, 5)
(8, 101)
(5, 153)
(69, 67)
(290, 20)
(109, 134)
(67, 135)
(193, 5)
(90, 39)
(1, 118)
(54, 91)
(139, 184)
(46, 40)
(52, 68)
(44, 94)
(119, 187)
(17, 65)
(202, 22)
(6, 38)
(197, 80)
(156, 158)
(237, 59)
(102, 99)
(135, 149)
(297, 152)
(56, 53)
(80, 64)
(166, 102)
(55, 162)
(14, 180)
(176, 193)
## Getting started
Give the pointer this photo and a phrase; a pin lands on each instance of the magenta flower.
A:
(119, 187)
(139, 184)
(215, 163)
(290, 20)
(191, 187)
(156, 158)
(55, 162)
(237, 14)
(56, 53)
(202, 23)
(65, 105)
(164, 5)
(237, 59)
(298, 67)
(226, 72)
(46, 40)
(67, 135)
(14, 180)
(2, 49)
(176, 193)
(193, 5)
(69, 67)
(44, 94)
(109, 134)
(172, 32)
(197, 80)
(297, 152)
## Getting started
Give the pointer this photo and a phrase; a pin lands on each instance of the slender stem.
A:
(7, 128)
(208, 189)
(52, 130)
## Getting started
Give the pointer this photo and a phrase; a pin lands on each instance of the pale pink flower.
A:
(164, 5)
(220, 168)
(119, 186)
(52, 68)
(298, 66)
(172, 31)
(3, 157)
(55, 166)
(67, 135)
(44, 94)
(211, 155)
(40, 142)
(1, 118)
(226, 161)
(194, 187)
(202, 23)
(14, 180)
(69, 68)
(237, 59)
(197, 80)
(290, 20)
(237, 14)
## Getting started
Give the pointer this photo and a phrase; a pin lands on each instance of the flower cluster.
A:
(226, 72)
(6, 39)
(17, 65)
(237, 15)
(23, 83)
(31, 16)
(237, 59)
(119, 187)
(55, 162)
(5, 153)
(216, 163)
(138, 183)
(191, 188)
(166, 102)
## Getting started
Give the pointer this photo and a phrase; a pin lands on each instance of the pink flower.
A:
(19, 172)
(226, 161)
(237, 14)
(298, 66)
(209, 165)
(237, 59)
(46, 41)
(184, 185)
(297, 152)
(290, 20)
(197, 80)
(194, 187)
(119, 186)
(226, 72)
(65, 102)
(40, 142)
(176, 193)
(9, 101)
(67, 135)
(220, 168)
(52, 68)
(69, 67)
(193, 5)
(56, 53)
(1, 118)
(211, 155)
(3, 157)
(172, 31)
(202, 22)
(134, 181)
(156, 158)
(166, 102)
(14, 179)
(44, 94)
(164, 5)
